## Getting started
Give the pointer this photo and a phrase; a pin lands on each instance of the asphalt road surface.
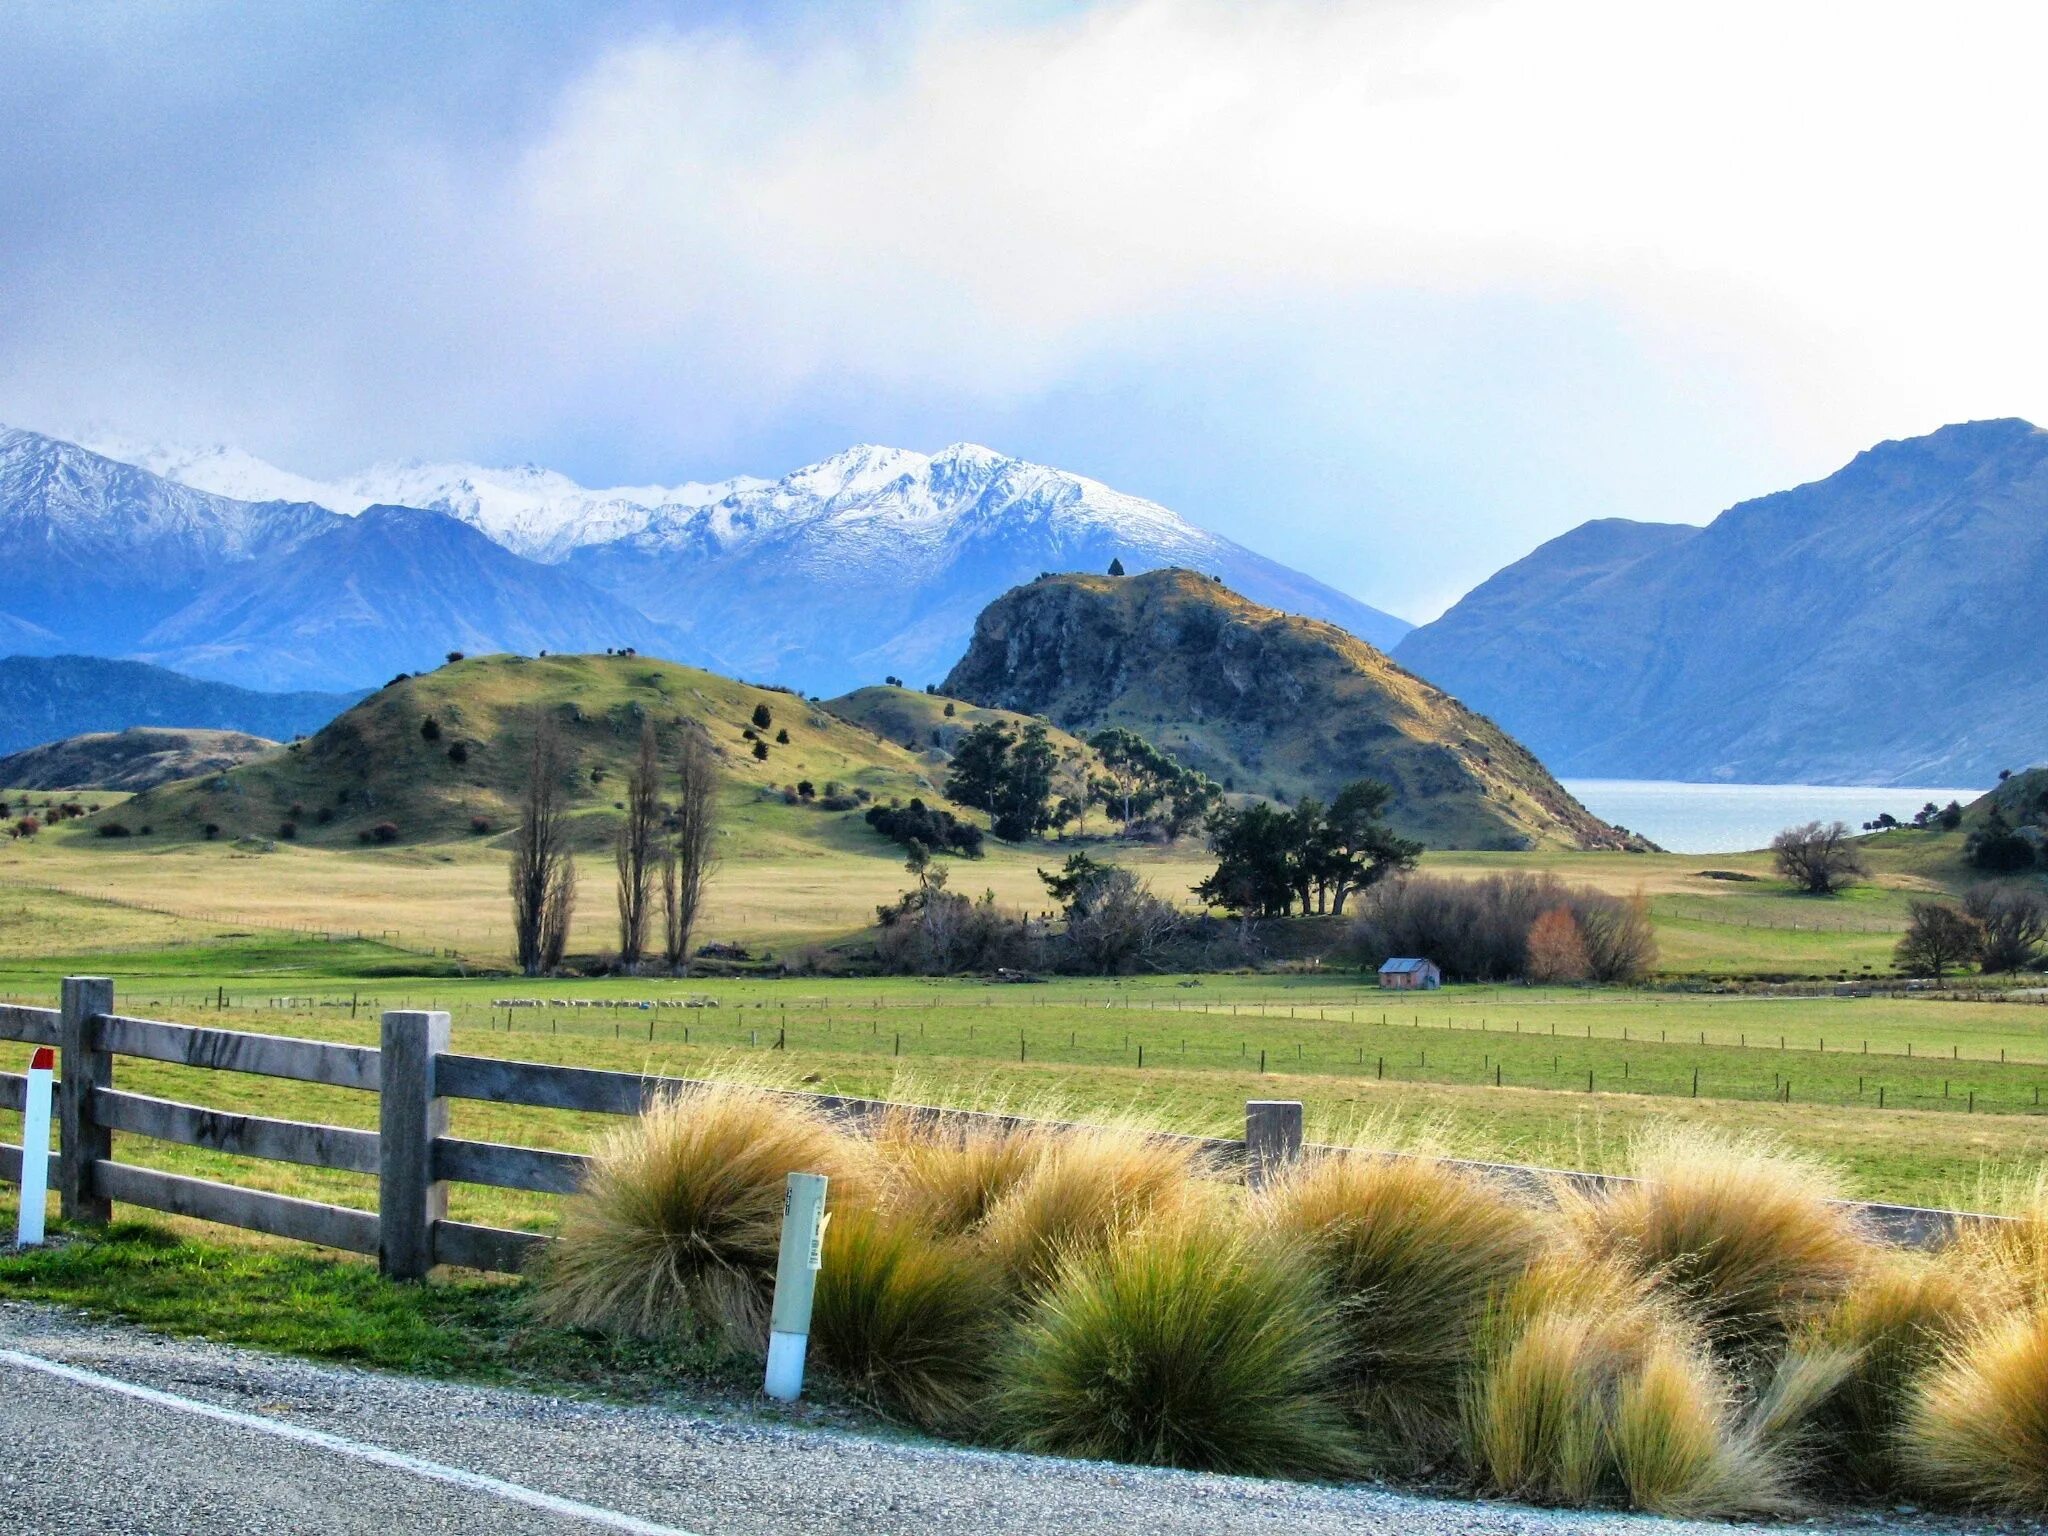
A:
(110, 1430)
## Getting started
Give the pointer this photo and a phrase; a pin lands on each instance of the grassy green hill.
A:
(1266, 703)
(437, 754)
(928, 722)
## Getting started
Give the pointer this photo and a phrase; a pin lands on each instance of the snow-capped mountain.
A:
(531, 511)
(874, 561)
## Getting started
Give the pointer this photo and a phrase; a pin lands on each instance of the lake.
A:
(1733, 818)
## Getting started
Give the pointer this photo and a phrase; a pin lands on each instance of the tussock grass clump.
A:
(1590, 1391)
(1897, 1320)
(907, 1319)
(1190, 1342)
(1084, 1188)
(678, 1223)
(1976, 1428)
(1744, 1236)
(1412, 1251)
(951, 1174)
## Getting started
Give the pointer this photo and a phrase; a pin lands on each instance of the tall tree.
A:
(635, 853)
(690, 855)
(1022, 806)
(1360, 849)
(543, 868)
(1817, 856)
(1938, 939)
(980, 763)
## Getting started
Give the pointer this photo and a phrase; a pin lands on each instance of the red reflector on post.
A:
(44, 1060)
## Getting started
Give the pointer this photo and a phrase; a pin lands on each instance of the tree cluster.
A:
(1008, 774)
(1140, 784)
(2013, 924)
(1269, 860)
(1999, 848)
(932, 828)
(1507, 927)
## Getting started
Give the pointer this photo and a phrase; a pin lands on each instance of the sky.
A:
(1390, 291)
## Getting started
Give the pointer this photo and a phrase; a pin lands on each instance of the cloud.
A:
(1437, 278)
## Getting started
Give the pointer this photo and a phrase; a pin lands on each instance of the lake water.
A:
(1733, 818)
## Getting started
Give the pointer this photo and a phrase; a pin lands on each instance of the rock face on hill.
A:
(1264, 702)
(132, 760)
(1881, 626)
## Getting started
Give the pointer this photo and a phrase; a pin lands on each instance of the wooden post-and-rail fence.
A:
(417, 1075)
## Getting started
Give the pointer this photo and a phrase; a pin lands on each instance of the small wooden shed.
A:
(1411, 975)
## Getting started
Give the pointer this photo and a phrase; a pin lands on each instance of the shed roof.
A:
(1402, 967)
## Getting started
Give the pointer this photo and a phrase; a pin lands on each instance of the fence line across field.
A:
(417, 1075)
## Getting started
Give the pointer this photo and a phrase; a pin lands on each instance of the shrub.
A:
(113, 829)
(1744, 1237)
(1977, 1427)
(384, 832)
(287, 830)
(679, 1221)
(454, 656)
(430, 729)
(324, 815)
(763, 718)
(782, 737)
(1191, 1343)
(1412, 1251)
(458, 754)
(1089, 1186)
(479, 825)
(908, 1319)
(297, 811)
(760, 751)
(210, 831)
(950, 1176)
(27, 826)
(805, 789)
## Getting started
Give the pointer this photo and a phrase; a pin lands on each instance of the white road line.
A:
(285, 1430)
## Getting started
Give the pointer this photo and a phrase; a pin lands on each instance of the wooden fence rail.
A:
(417, 1076)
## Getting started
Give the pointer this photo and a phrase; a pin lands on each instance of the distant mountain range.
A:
(873, 562)
(1884, 625)
(136, 759)
(48, 698)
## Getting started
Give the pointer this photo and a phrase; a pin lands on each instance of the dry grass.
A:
(1742, 1234)
(907, 1319)
(1977, 1427)
(679, 1221)
(1085, 1189)
(1411, 1251)
(951, 1173)
(1896, 1321)
(1192, 1342)
(1589, 1389)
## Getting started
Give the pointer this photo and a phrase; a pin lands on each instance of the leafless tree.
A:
(543, 868)
(2014, 920)
(1939, 939)
(1818, 857)
(1073, 783)
(690, 855)
(1116, 922)
(635, 852)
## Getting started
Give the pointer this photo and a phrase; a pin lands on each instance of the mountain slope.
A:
(96, 552)
(48, 698)
(1873, 627)
(1265, 702)
(139, 758)
(870, 563)
(388, 591)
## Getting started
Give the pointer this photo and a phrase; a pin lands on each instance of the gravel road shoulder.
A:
(89, 1460)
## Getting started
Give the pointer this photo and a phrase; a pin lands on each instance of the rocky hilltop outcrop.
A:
(1266, 703)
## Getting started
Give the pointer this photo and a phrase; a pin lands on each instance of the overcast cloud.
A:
(1390, 291)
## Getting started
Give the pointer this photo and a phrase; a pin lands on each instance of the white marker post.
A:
(796, 1278)
(35, 1147)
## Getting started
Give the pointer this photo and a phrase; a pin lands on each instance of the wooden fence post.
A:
(85, 1067)
(1272, 1139)
(411, 1117)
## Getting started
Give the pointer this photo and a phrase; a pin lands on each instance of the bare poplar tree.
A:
(636, 853)
(543, 869)
(691, 853)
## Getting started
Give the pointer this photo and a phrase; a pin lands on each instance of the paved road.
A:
(109, 1430)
